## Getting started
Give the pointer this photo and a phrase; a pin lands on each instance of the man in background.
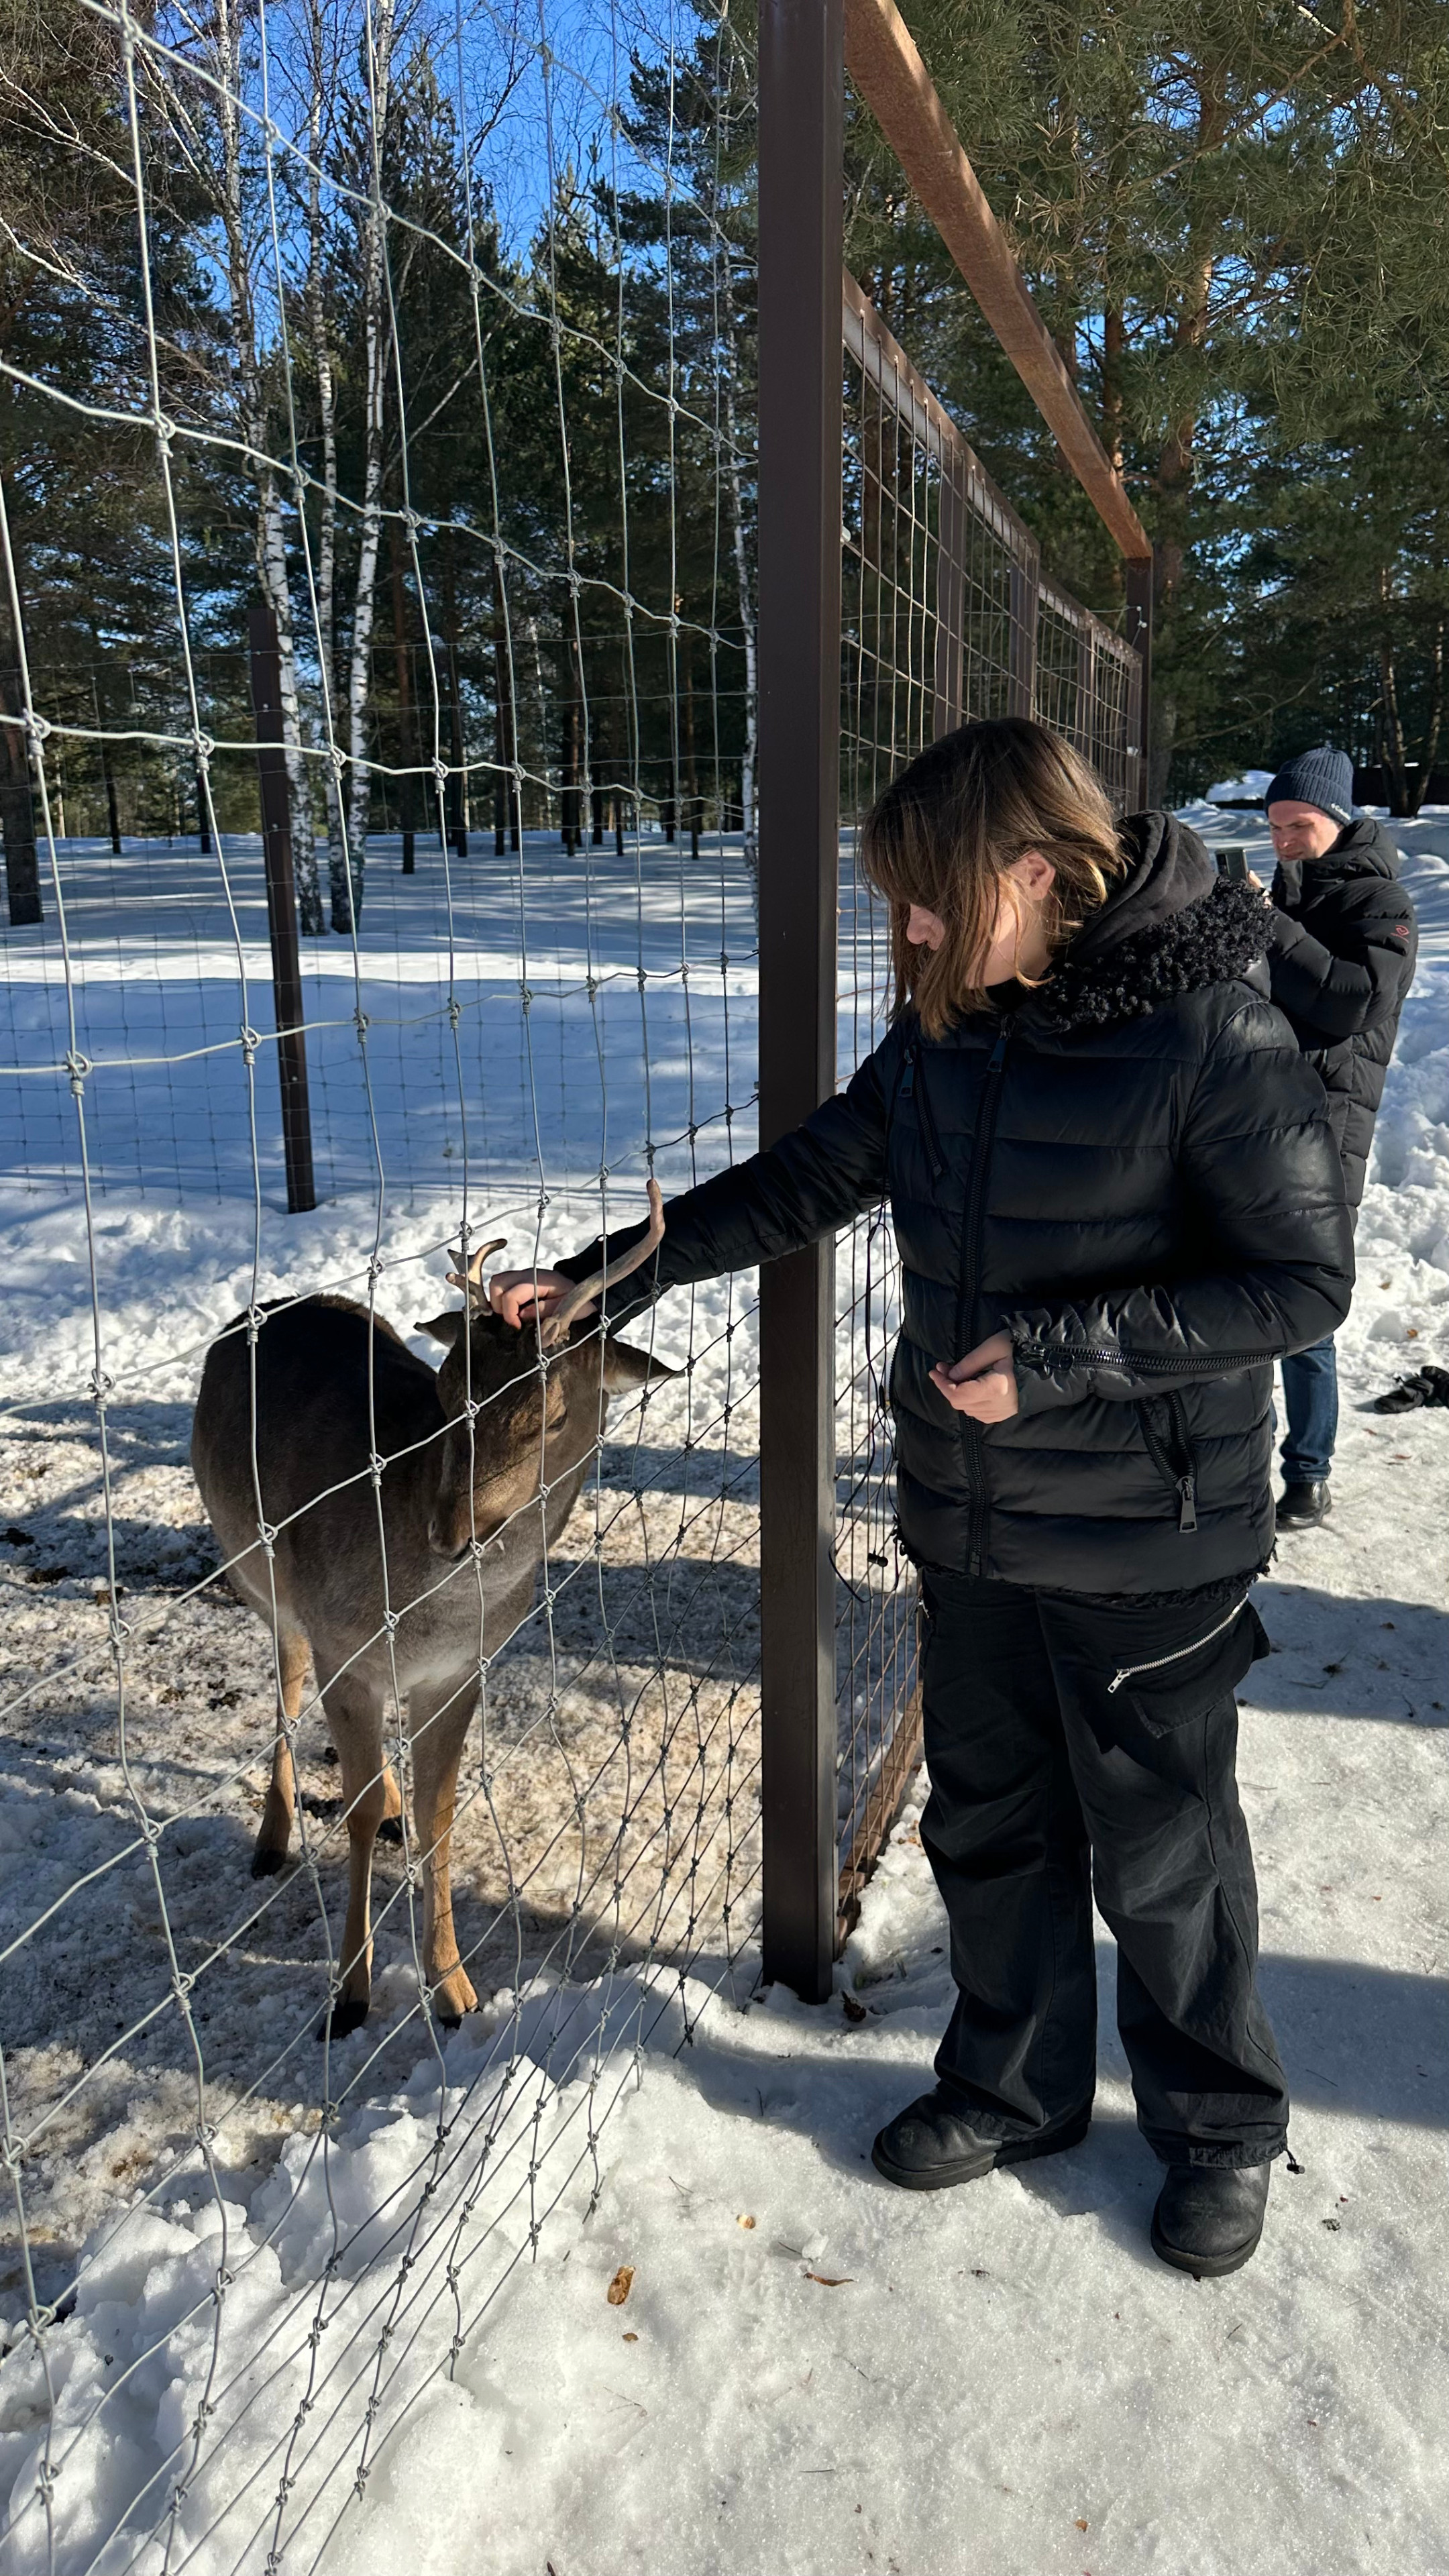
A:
(1341, 959)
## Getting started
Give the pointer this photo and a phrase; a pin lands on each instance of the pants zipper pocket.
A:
(1129, 1672)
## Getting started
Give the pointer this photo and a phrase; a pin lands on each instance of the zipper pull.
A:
(998, 1052)
(908, 1078)
(1117, 1680)
(1187, 1517)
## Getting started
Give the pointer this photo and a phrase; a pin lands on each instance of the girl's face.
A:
(1018, 943)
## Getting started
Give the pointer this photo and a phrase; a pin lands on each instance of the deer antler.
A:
(556, 1329)
(471, 1279)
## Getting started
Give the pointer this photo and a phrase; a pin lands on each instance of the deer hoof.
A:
(452, 1997)
(390, 1830)
(268, 1861)
(345, 2017)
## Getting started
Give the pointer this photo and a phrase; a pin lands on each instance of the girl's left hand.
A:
(983, 1384)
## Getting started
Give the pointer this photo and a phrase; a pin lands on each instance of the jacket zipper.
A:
(970, 1431)
(1129, 1672)
(909, 1087)
(1187, 1482)
(1142, 1364)
(1183, 1483)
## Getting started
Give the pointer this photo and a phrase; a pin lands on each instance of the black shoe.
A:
(1209, 2218)
(1304, 1506)
(931, 2144)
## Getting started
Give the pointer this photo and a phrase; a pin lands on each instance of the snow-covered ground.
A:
(806, 2370)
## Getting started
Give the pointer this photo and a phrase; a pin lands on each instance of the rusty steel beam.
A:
(888, 71)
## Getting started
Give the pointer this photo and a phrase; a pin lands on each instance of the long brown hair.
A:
(945, 832)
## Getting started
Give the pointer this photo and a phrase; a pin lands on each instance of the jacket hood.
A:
(1170, 925)
(1362, 849)
(1363, 845)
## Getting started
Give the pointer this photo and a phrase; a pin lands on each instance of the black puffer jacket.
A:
(1341, 959)
(1134, 1173)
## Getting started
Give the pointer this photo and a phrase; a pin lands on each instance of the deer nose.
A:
(453, 1539)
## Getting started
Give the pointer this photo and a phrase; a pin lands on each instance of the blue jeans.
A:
(1310, 1399)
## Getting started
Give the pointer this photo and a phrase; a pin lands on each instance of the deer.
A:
(387, 1521)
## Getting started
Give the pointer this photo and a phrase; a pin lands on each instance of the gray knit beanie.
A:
(1323, 778)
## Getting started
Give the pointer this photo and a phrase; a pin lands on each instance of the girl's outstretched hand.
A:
(983, 1384)
(513, 1294)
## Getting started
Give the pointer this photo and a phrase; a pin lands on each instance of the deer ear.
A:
(624, 1365)
(444, 1328)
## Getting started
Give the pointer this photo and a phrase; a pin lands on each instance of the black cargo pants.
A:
(1075, 1748)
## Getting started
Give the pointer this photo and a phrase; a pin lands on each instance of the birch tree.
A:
(322, 60)
(379, 39)
(212, 134)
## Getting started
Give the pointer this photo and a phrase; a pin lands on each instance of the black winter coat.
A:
(1340, 961)
(1133, 1172)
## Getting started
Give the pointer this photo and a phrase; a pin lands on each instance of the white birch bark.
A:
(271, 547)
(376, 348)
(749, 757)
(321, 69)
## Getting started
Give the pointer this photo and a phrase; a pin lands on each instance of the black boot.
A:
(931, 2144)
(1304, 1506)
(1209, 2218)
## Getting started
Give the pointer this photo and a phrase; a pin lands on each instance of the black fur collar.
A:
(1212, 941)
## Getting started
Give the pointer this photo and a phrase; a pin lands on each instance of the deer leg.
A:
(274, 1834)
(391, 1828)
(355, 1719)
(438, 1720)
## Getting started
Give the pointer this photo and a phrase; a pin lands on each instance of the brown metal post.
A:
(802, 96)
(1137, 577)
(266, 668)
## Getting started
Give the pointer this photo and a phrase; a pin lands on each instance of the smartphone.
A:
(1232, 863)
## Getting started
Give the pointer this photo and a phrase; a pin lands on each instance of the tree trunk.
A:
(1430, 751)
(572, 798)
(108, 775)
(407, 730)
(1114, 343)
(505, 719)
(17, 807)
(1395, 760)
(17, 813)
(322, 67)
(377, 342)
(1177, 459)
(271, 549)
(749, 763)
(691, 781)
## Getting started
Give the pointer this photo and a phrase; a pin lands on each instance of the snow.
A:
(1000, 2378)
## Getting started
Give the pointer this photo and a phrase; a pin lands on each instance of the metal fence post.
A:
(266, 671)
(802, 95)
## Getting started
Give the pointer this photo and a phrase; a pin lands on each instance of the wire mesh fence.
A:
(435, 328)
(945, 617)
(435, 331)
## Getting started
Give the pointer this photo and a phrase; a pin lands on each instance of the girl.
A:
(1117, 1201)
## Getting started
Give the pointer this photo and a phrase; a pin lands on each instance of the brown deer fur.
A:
(446, 1541)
